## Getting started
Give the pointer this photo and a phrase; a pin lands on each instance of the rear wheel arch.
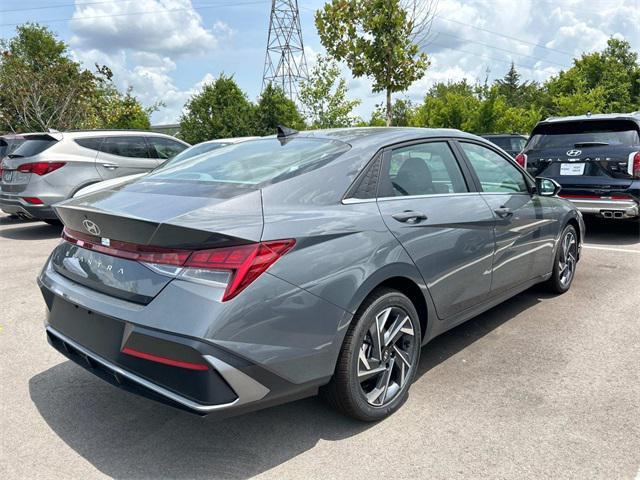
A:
(412, 291)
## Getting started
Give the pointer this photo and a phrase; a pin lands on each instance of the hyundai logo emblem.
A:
(574, 153)
(91, 227)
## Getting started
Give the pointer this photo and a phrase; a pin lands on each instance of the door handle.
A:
(110, 166)
(503, 212)
(409, 216)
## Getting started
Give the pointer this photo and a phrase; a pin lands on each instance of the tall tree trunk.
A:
(388, 107)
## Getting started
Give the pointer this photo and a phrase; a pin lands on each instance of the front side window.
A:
(165, 148)
(256, 162)
(496, 173)
(425, 169)
(126, 146)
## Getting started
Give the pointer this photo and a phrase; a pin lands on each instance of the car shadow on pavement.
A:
(125, 436)
(32, 231)
(611, 232)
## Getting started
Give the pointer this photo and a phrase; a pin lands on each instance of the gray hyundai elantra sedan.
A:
(306, 262)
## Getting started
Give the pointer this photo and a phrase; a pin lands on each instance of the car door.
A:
(524, 225)
(426, 201)
(124, 155)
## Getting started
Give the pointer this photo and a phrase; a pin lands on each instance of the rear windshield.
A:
(584, 134)
(509, 143)
(193, 151)
(256, 162)
(8, 145)
(33, 145)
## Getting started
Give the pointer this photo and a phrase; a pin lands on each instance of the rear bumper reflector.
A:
(164, 360)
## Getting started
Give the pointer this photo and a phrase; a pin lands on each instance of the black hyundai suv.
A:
(595, 158)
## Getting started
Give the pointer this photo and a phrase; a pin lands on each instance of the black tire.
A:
(345, 392)
(558, 282)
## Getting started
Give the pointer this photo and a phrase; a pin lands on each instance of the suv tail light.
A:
(40, 168)
(634, 165)
(521, 158)
(232, 267)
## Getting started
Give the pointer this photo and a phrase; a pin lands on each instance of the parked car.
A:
(9, 142)
(190, 152)
(512, 143)
(596, 159)
(270, 269)
(50, 167)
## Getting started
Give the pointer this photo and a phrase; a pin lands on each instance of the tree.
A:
(607, 81)
(378, 38)
(402, 114)
(220, 110)
(275, 108)
(448, 105)
(116, 110)
(40, 86)
(324, 96)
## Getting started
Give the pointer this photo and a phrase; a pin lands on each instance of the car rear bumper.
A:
(608, 208)
(15, 205)
(224, 383)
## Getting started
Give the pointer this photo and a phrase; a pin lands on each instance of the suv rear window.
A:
(584, 134)
(33, 145)
(256, 162)
(8, 145)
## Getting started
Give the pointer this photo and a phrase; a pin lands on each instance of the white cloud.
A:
(142, 42)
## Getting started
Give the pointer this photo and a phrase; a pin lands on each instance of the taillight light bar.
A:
(243, 263)
(40, 168)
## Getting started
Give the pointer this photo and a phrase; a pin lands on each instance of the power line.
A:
(501, 49)
(164, 10)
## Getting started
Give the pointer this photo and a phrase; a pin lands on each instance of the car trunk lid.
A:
(151, 216)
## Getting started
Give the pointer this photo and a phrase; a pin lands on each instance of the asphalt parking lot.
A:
(539, 387)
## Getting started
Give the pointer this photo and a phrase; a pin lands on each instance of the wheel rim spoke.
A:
(384, 359)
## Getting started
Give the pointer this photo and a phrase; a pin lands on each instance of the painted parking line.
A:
(611, 249)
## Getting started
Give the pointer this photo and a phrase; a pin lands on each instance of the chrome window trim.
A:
(238, 380)
(349, 201)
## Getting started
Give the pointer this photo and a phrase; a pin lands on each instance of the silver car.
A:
(47, 168)
(314, 261)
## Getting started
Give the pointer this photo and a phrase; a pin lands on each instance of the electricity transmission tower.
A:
(285, 64)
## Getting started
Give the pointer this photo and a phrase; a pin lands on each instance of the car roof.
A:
(384, 135)
(102, 133)
(635, 116)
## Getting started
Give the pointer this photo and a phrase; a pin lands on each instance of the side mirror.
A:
(546, 187)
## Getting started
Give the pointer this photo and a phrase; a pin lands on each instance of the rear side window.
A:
(256, 162)
(496, 173)
(584, 134)
(125, 146)
(424, 169)
(33, 145)
(164, 148)
(92, 143)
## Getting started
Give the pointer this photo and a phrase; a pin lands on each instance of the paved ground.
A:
(539, 387)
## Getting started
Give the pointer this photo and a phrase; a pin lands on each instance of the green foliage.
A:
(376, 39)
(275, 108)
(42, 88)
(402, 114)
(324, 96)
(220, 110)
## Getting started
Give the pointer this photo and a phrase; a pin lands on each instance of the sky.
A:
(168, 49)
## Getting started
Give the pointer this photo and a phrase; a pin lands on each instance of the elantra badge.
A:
(573, 153)
(91, 227)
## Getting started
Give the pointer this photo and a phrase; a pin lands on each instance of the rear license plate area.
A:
(572, 168)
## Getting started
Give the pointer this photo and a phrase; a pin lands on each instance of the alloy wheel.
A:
(567, 259)
(386, 355)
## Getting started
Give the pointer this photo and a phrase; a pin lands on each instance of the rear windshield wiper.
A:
(590, 144)
(15, 155)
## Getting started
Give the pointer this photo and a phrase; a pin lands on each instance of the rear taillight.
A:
(521, 158)
(33, 200)
(232, 267)
(244, 263)
(635, 165)
(40, 168)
